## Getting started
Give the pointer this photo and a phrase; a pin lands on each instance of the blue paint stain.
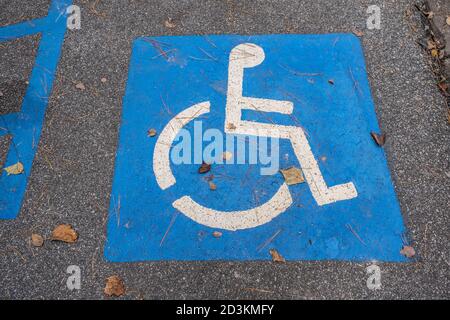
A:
(169, 74)
(25, 126)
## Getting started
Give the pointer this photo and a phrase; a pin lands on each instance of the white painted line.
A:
(236, 220)
(249, 55)
(161, 155)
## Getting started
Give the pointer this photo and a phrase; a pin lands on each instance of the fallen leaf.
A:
(65, 233)
(331, 81)
(204, 168)
(227, 155)
(212, 186)
(217, 234)
(431, 44)
(37, 240)
(358, 33)
(276, 257)
(231, 126)
(151, 132)
(80, 86)
(434, 53)
(103, 80)
(408, 251)
(292, 176)
(379, 139)
(169, 23)
(444, 87)
(448, 20)
(114, 286)
(14, 169)
(408, 12)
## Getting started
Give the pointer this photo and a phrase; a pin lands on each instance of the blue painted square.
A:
(325, 78)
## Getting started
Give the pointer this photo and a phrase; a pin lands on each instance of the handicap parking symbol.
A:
(245, 107)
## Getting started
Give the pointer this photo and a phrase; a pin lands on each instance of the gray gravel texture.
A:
(14, 11)
(72, 173)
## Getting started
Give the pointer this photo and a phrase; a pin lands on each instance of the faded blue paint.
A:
(337, 119)
(25, 126)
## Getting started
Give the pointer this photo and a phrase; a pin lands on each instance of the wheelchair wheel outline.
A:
(227, 220)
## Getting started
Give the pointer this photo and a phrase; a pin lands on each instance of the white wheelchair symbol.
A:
(243, 56)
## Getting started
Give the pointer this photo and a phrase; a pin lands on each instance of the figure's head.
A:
(248, 55)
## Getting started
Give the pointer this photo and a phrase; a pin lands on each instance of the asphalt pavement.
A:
(73, 169)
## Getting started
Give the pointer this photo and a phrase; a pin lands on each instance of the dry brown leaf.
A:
(151, 132)
(169, 23)
(65, 233)
(276, 256)
(227, 155)
(444, 87)
(37, 240)
(431, 44)
(217, 234)
(408, 251)
(231, 126)
(14, 169)
(204, 168)
(331, 81)
(80, 86)
(358, 33)
(114, 286)
(380, 139)
(212, 186)
(448, 20)
(435, 53)
(292, 176)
